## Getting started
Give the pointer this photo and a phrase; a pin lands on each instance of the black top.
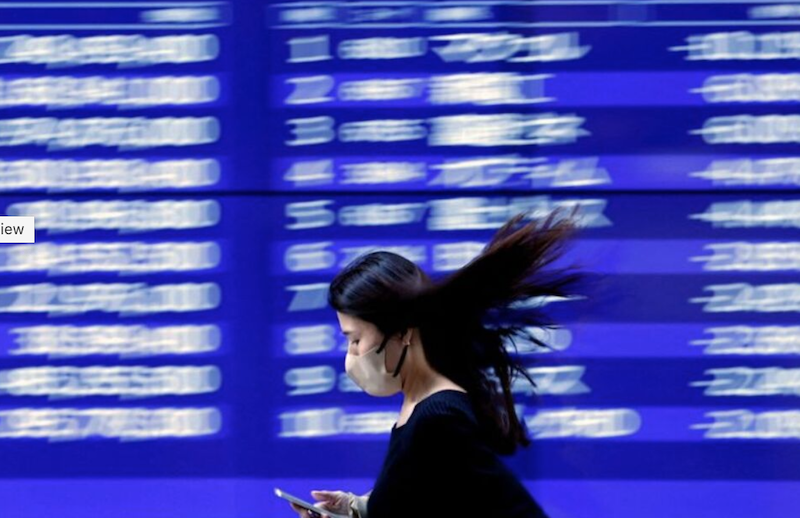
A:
(438, 465)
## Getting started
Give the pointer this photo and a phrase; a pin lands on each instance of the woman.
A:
(443, 345)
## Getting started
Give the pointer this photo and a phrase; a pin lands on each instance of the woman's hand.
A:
(334, 501)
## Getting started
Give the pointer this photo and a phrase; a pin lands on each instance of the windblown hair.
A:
(467, 319)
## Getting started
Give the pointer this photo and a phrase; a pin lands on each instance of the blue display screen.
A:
(199, 171)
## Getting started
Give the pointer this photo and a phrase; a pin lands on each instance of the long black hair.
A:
(467, 318)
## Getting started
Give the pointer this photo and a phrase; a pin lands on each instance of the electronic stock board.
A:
(199, 171)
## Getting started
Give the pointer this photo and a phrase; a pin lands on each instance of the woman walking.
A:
(443, 344)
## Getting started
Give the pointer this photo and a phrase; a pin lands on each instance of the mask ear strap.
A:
(400, 363)
(383, 344)
(386, 341)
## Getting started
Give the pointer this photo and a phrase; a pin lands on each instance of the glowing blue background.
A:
(635, 345)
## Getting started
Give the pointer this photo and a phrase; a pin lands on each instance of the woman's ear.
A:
(407, 335)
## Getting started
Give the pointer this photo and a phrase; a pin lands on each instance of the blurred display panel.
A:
(199, 171)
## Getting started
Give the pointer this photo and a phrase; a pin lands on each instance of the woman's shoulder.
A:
(447, 409)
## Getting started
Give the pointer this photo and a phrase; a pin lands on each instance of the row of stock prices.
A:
(199, 171)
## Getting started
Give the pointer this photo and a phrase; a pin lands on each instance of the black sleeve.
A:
(459, 475)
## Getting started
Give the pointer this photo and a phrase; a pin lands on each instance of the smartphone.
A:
(307, 505)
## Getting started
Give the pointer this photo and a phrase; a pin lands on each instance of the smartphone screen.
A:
(307, 505)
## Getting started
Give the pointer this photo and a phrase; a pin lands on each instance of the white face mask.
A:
(368, 371)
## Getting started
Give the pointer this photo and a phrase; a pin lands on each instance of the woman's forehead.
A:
(349, 323)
